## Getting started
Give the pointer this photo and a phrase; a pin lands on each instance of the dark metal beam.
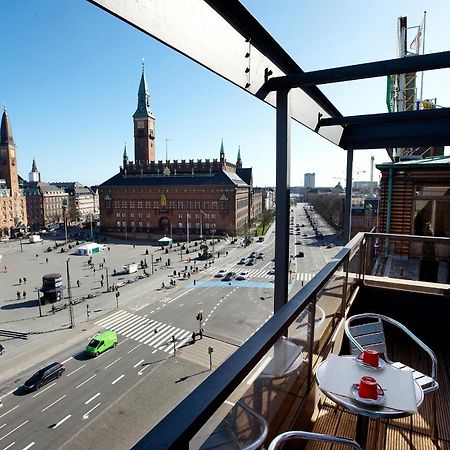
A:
(348, 196)
(235, 13)
(410, 64)
(282, 199)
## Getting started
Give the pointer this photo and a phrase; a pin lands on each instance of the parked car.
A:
(221, 273)
(229, 276)
(101, 342)
(298, 243)
(300, 255)
(260, 255)
(252, 255)
(250, 262)
(44, 376)
(242, 261)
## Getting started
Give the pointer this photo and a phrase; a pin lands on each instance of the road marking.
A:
(154, 351)
(84, 382)
(76, 370)
(10, 392)
(117, 379)
(62, 421)
(43, 390)
(92, 398)
(68, 359)
(121, 342)
(4, 425)
(9, 446)
(142, 307)
(151, 312)
(181, 295)
(12, 431)
(27, 447)
(145, 316)
(140, 372)
(56, 401)
(86, 415)
(134, 348)
(109, 365)
(4, 414)
(141, 361)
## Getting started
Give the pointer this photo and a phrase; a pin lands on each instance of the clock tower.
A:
(144, 125)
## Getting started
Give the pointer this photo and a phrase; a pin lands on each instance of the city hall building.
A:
(149, 198)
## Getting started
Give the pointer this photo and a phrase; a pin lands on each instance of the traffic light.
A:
(199, 315)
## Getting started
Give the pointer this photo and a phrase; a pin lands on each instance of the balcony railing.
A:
(269, 378)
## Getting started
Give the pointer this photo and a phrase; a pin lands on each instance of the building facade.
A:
(415, 197)
(149, 198)
(81, 201)
(13, 213)
(310, 180)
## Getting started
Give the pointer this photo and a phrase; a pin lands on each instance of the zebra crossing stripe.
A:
(107, 319)
(116, 320)
(126, 323)
(130, 327)
(144, 334)
(139, 332)
(143, 329)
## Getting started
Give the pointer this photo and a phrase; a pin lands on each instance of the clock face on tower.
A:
(141, 124)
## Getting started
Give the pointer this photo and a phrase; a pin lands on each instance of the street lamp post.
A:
(210, 352)
(117, 299)
(152, 262)
(92, 233)
(107, 279)
(21, 248)
(200, 318)
(39, 301)
(69, 291)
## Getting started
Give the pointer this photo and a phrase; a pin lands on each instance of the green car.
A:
(101, 342)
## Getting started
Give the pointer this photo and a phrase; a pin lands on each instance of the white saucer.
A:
(367, 401)
(381, 364)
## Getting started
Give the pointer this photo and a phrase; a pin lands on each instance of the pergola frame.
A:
(405, 129)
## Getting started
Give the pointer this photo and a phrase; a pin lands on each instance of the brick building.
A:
(13, 213)
(149, 198)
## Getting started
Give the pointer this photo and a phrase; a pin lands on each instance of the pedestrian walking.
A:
(46, 260)
(24, 280)
(104, 260)
(18, 295)
(24, 294)
(2, 349)
(193, 336)
(20, 280)
(6, 269)
(78, 283)
(37, 256)
(101, 283)
(103, 277)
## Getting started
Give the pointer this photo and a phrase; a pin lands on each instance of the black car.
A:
(229, 276)
(44, 376)
(300, 255)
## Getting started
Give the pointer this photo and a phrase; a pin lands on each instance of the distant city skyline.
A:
(71, 73)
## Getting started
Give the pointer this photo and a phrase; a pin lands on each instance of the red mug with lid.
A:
(370, 357)
(369, 388)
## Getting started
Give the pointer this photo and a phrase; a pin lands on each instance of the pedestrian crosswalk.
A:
(304, 277)
(144, 330)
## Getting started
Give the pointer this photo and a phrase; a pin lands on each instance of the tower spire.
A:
(143, 107)
(6, 135)
(239, 160)
(222, 153)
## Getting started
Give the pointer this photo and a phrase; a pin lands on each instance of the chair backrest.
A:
(312, 437)
(369, 334)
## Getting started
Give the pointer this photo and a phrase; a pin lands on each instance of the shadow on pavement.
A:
(24, 304)
(180, 380)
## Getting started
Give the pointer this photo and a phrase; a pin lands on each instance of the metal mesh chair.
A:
(280, 439)
(367, 331)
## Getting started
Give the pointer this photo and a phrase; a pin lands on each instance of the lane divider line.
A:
(84, 382)
(76, 370)
(7, 412)
(137, 364)
(28, 446)
(92, 398)
(109, 365)
(62, 421)
(134, 348)
(12, 431)
(54, 403)
(117, 379)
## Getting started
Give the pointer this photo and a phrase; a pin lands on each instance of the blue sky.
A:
(70, 73)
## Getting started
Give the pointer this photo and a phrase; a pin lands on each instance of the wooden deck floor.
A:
(411, 433)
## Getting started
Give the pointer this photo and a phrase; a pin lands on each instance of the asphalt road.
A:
(151, 322)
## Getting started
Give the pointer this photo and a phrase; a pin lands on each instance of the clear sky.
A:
(69, 76)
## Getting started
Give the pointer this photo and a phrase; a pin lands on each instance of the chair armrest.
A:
(312, 437)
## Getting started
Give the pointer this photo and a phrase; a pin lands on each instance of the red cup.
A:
(369, 388)
(370, 357)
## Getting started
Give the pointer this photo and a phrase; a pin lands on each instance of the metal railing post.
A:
(310, 334)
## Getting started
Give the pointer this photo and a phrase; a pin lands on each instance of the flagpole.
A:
(423, 53)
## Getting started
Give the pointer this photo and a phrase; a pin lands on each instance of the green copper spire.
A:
(143, 108)
(125, 151)
(222, 151)
(239, 154)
